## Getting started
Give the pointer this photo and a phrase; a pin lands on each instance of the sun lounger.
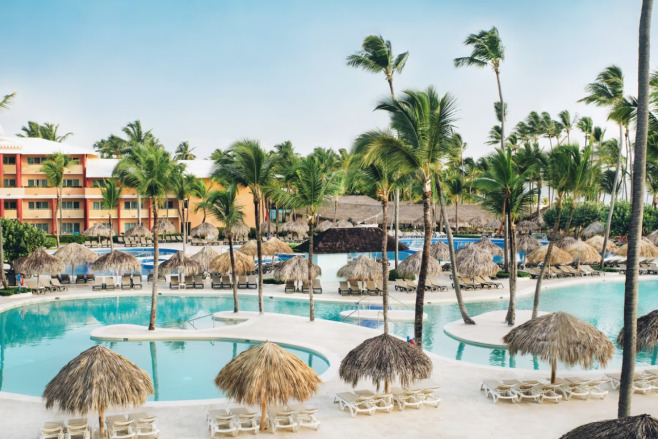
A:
(590, 270)
(574, 387)
(406, 398)
(487, 280)
(436, 285)
(498, 390)
(466, 283)
(120, 427)
(411, 284)
(306, 418)
(144, 426)
(282, 419)
(401, 285)
(641, 383)
(80, 279)
(306, 286)
(290, 286)
(198, 282)
(592, 385)
(174, 283)
(317, 287)
(90, 278)
(126, 284)
(343, 288)
(252, 281)
(245, 420)
(382, 402)
(137, 281)
(215, 281)
(425, 393)
(355, 404)
(242, 282)
(226, 282)
(52, 432)
(526, 390)
(221, 422)
(64, 279)
(355, 288)
(372, 289)
(98, 284)
(87, 243)
(109, 283)
(56, 285)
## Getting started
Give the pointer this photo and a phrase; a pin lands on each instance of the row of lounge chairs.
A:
(218, 282)
(188, 282)
(477, 282)
(44, 285)
(369, 402)
(409, 286)
(562, 271)
(643, 382)
(84, 278)
(306, 287)
(646, 267)
(352, 287)
(240, 419)
(136, 242)
(105, 243)
(133, 426)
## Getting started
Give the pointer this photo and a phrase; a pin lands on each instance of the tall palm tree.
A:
(184, 152)
(582, 178)
(148, 169)
(6, 101)
(376, 56)
(112, 147)
(54, 169)
(182, 185)
(567, 122)
(46, 131)
(585, 125)
(111, 193)
(637, 211)
(203, 193)
(488, 51)
(136, 135)
(248, 165)
(454, 185)
(225, 208)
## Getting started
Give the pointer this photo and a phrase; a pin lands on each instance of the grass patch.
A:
(272, 281)
(12, 291)
(505, 274)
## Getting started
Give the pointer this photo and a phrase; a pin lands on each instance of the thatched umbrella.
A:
(41, 262)
(653, 237)
(240, 232)
(647, 249)
(596, 228)
(274, 246)
(98, 230)
(299, 228)
(526, 226)
(361, 269)
(75, 253)
(222, 263)
(139, 231)
(540, 221)
(439, 251)
(383, 359)
(295, 269)
(565, 242)
(418, 223)
(164, 226)
(494, 224)
(204, 230)
(343, 224)
(486, 244)
(560, 337)
(117, 261)
(597, 243)
(181, 264)
(250, 249)
(630, 427)
(474, 260)
(478, 222)
(411, 266)
(558, 256)
(267, 374)
(526, 244)
(96, 380)
(583, 253)
(323, 226)
(647, 332)
(266, 227)
(205, 256)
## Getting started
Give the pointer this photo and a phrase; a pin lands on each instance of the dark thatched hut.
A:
(647, 332)
(350, 240)
(631, 427)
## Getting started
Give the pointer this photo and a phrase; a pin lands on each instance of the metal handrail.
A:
(190, 321)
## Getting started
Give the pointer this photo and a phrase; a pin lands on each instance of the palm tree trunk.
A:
(259, 253)
(572, 209)
(637, 211)
(112, 234)
(511, 310)
(59, 206)
(139, 209)
(502, 110)
(385, 264)
(456, 216)
(539, 198)
(335, 209)
(451, 248)
(556, 227)
(311, 304)
(505, 243)
(58, 221)
(422, 276)
(5, 284)
(154, 368)
(397, 225)
(235, 283)
(613, 197)
(156, 257)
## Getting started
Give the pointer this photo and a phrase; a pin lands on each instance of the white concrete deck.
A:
(394, 315)
(489, 330)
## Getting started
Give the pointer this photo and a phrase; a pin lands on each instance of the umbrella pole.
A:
(263, 414)
(553, 370)
(101, 424)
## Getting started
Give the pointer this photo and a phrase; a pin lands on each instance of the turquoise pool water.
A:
(37, 340)
(145, 256)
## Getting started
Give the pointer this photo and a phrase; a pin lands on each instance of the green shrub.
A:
(522, 274)
(502, 275)
(67, 239)
(585, 214)
(393, 274)
(12, 291)
(20, 239)
(621, 216)
(272, 281)
(466, 235)
(50, 242)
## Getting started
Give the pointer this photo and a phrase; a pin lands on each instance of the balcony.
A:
(36, 214)
(74, 170)
(9, 169)
(11, 214)
(12, 192)
(102, 214)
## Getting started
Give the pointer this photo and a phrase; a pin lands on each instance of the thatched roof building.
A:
(631, 427)
(139, 231)
(596, 228)
(117, 261)
(411, 266)
(526, 226)
(360, 269)
(75, 253)
(250, 248)
(350, 240)
(204, 230)
(647, 332)
(222, 263)
(181, 264)
(486, 244)
(295, 269)
(205, 256)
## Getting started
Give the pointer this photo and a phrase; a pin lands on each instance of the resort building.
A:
(25, 195)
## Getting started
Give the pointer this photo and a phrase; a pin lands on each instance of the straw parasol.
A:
(486, 244)
(324, 226)
(164, 226)
(250, 248)
(274, 246)
(560, 337)
(596, 228)
(240, 232)
(205, 256)
(558, 256)
(647, 249)
(653, 237)
(96, 380)
(383, 359)
(267, 374)
(478, 222)
(565, 242)
(631, 427)
(181, 264)
(494, 224)
(75, 253)
(222, 263)
(526, 226)
(411, 266)
(439, 250)
(539, 220)
(342, 224)
(295, 269)
(647, 332)
(526, 244)
(117, 261)
(266, 226)
(139, 231)
(41, 262)
(203, 230)
(361, 269)
(298, 227)
(99, 230)
(597, 243)
(474, 260)
(583, 253)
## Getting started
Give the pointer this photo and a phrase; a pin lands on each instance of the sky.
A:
(214, 72)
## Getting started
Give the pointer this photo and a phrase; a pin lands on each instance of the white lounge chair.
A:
(49, 431)
(549, 393)
(221, 422)
(78, 431)
(425, 392)
(528, 390)
(593, 386)
(245, 420)
(498, 390)
(355, 403)
(381, 401)
(120, 427)
(145, 426)
(306, 418)
(640, 382)
(282, 419)
(406, 398)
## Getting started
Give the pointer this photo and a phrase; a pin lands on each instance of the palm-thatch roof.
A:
(647, 249)
(486, 244)
(385, 358)
(343, 224)
(274, 246)
(411, 266)
(494, 224)
(474, 260)
(164, 226)
(205, 256)
(297, 227)
(250, 248)
(39, 262)
(222, 263)
(324, 226)
(526, 226)
(540, 220)
(98, 229)
(597, 243)
(360, 269)
(478, 222)
(526, 243)
(295, 269)
(653, 237)
(139, 231)
(439, 250)
(647, 332)
(75, 253)
(350, 240)
(419, 222)
(631, 427)
(181, 264)
(565, 242)
(560, 337)
(204, 230)
(266, 227)
(267, 374)
(117, 261)
(558, 256)
(240, 231)
(583, 252)
(596, 228)
(96, 380)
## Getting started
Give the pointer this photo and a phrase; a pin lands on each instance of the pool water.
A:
(145, 256)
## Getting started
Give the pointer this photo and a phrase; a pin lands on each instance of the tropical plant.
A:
(582, 178)
(112, 147)
(376, 56)
(46, 131)
(111, 193)
(567, 122)
(53, 169)
(20, 238)
(203, 192)
(184, 152)
(182, 186)
(6, 101)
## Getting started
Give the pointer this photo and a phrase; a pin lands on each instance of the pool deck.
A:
(464, 411)
(489, 330)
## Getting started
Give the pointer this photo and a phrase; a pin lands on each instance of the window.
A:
(9, 182)
(8, 160)
(37, 183)
(70, 228)
(42, 226)
(68, 182)
(75, 162)
(98, 205)
(11, 205)
(165, 205)
(34, 160)
(70, 205)
(130, 226)
(130, 205)
(98, 183)
(37, 205)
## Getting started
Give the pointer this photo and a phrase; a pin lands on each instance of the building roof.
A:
(350, 240)
(103, 168)
(37, 146)
(198, 168)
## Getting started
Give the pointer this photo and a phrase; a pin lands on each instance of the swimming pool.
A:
(145, 256)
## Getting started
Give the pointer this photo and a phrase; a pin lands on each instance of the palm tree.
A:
(582, 179)
(488, 51)
(637, 211)
(184, 152)
(376, 56)
(454, 184)
(112, 147)
(46, 131)
(182, 186)
(54, 169)
(248, 165)
(585, 125)
(148, 169)
(136, 134)
(424, 124)
(225, 208)
(203, 193)
(111, 193)
(6, 101)
(567, 122)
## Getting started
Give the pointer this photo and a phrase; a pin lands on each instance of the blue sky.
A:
(213, 72)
